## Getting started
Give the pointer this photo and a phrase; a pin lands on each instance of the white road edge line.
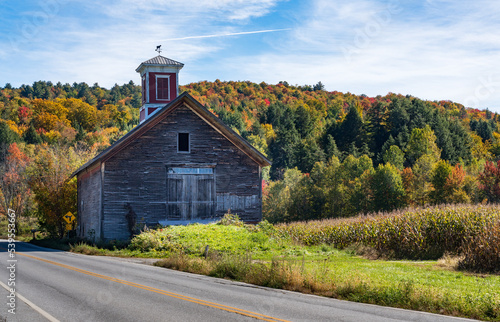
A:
(33, 305)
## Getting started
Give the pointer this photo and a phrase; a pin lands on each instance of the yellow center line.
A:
(159, 291)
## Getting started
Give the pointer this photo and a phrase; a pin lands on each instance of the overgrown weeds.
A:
(317, 277)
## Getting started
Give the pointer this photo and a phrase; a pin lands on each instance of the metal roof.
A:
(161, 61)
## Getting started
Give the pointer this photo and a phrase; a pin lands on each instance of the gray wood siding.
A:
(138, 174)
(89, 204)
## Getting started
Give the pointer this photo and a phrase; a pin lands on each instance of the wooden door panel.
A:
(190, 196)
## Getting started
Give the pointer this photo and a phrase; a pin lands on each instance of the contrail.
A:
(228, 34)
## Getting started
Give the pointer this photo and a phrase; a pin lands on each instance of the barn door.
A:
(190, 193)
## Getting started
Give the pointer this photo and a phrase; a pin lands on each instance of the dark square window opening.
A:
(183, 142)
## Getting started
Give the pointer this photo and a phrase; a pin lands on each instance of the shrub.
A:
(266, 227)
(155, 240)
(230, 219)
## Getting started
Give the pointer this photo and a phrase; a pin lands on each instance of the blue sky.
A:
(431, 49)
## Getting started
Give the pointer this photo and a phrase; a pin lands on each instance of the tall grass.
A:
(320, 278)
(413, 234)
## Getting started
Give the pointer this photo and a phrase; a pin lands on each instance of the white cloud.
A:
(214, 10)
(390, 48)
(69, 48)
(433, 49)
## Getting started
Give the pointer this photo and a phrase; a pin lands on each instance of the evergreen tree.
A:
(387, 144)
(136, 101)
(377, 126)
(353, 150)
(398, 117)
(80, 133)
(7, 137)
(419, 113)
(31, 136)
(403, 137)
(319, 87)
(282, 149)
(331, 148)
(365, 150)
(41, 90)
(115, 94)
(443, 137)
(303, 122)
(350, 130)
(275, 114)
(308, 153)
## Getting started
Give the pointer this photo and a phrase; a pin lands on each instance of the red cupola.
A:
(160, 83)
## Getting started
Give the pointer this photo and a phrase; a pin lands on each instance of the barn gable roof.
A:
(198, 109)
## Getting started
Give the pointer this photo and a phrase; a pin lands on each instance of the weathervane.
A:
(158, 49)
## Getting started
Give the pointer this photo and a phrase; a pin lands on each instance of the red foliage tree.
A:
(489, 181)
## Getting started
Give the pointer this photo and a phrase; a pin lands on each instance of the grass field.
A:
(265, 255)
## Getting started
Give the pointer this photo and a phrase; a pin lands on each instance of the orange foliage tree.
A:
(15, 193)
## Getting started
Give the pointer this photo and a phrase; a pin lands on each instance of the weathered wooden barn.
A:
(181, 164)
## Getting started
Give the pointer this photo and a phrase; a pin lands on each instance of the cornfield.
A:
(469, 230)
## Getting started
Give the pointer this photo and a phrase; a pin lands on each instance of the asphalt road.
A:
(60, 286)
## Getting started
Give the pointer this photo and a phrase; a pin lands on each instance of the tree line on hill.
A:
(338, 154)
(46, 132)
(334, 154)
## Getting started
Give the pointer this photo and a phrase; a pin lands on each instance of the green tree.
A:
(31, 136)
(330, 190)
(422, 142)
(398, 116)
(387, 188)
(440, 174)
(7, 137)
(360, 193)
(283, 149)
(308, 153)
(394, 156)
(351, 129)
(331, 148)
(422, 187)
(351, 178)
(377, 126)
(276, 197)
(303, 121)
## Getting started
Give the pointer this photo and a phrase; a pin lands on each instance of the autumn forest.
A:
(334, 154)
